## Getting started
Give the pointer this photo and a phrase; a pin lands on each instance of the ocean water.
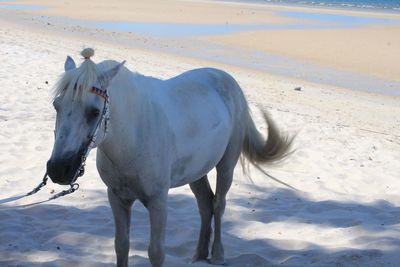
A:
(389, 5)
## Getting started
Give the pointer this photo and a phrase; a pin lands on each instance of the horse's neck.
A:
(131, 94)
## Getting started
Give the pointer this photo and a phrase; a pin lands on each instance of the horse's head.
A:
(80, 100)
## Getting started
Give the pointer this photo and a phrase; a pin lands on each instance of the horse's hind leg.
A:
(122, 216)
(224, 180)
(204, 196)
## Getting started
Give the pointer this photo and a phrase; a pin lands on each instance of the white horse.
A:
(160, 134)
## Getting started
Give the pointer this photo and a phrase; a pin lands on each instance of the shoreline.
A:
(283, 60)
(330, 7)
(314, 90)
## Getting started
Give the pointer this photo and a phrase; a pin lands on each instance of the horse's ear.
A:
(69, 64)
(108, 75)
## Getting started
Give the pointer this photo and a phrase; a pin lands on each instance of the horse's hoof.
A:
(194, 261)
(220, 262)
(198, 257)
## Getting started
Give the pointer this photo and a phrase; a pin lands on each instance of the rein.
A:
(105, 116)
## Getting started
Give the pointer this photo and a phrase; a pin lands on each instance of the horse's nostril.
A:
(67, 168)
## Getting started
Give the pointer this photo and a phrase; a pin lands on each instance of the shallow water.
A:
(22, 7)
(380, 5)
(173, 30)
(170, 30)
(339, 21)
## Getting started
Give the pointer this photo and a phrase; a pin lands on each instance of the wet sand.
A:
(370, 47)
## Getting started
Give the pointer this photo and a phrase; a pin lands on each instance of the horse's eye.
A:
(93, 112)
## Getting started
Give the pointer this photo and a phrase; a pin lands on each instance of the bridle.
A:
(105, 117)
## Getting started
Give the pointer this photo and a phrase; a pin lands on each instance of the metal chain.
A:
(37, 188)
(73, 188)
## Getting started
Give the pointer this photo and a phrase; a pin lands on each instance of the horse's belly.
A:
(201, 126)
(197, 154)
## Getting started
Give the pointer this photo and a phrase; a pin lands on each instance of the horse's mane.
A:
(80, 79)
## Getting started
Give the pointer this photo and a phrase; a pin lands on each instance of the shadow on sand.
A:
(66, 235)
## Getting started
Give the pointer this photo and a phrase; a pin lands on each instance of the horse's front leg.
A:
(157, 207)
(122, 217)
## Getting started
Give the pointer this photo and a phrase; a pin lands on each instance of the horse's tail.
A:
(258, 150)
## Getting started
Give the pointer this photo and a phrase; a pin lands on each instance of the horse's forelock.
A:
(80, 80)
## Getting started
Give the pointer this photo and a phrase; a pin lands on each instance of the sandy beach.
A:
(344, 208)
(362, 47)
(368, 45)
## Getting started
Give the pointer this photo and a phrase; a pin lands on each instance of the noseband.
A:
(105, 116)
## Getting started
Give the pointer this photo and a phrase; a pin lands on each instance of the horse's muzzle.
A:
(62, 170)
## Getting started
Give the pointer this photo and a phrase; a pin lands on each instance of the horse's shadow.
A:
(373, 227)
(66, 235)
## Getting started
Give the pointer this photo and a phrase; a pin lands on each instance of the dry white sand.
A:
(346, 170)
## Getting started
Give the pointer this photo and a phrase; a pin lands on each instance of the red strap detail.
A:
(99, 92)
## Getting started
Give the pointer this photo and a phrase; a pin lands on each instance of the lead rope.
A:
(81, 170)
(73, 186)
(42, 184)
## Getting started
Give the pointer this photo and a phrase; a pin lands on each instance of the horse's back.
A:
(204, 94)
